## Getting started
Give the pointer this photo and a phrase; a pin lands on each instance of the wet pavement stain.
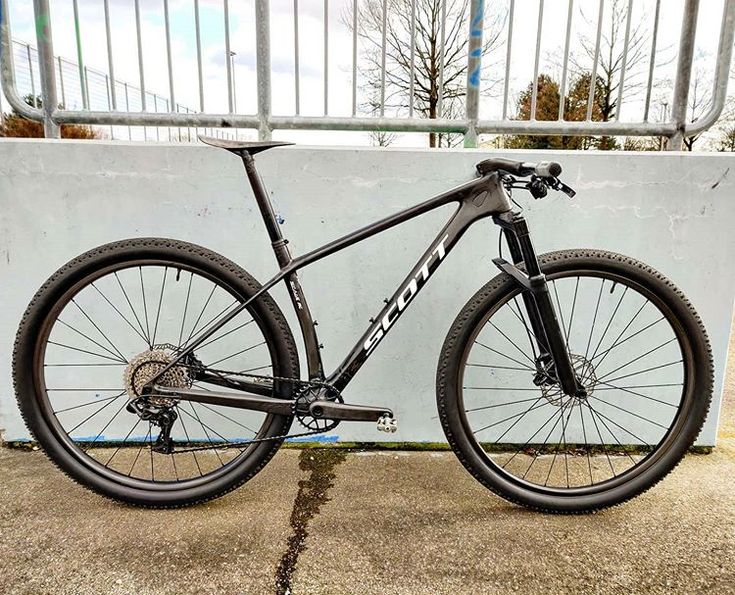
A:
(312, 494)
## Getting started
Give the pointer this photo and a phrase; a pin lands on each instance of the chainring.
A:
(305, 398)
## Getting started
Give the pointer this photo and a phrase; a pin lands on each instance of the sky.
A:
(311, 52)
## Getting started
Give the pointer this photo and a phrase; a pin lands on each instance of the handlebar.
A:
(544, 169)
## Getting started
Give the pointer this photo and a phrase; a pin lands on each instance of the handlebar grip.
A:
(516, 168)
(548, 169)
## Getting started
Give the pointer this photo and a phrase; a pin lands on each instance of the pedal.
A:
(387, 424)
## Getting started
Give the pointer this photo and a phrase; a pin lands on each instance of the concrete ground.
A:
(326, 521)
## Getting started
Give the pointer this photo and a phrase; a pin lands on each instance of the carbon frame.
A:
(478, 199)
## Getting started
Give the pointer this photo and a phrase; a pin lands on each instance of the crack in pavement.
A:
(320, 464)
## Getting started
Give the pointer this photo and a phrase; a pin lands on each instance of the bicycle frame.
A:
(478, 199)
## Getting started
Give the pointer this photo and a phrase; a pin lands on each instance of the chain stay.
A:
(303, 384)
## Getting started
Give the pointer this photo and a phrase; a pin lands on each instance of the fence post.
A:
(683, 74)
(474, 68)
(263, 67)
(46, 66)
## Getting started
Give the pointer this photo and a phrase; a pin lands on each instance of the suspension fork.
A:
(545, 325)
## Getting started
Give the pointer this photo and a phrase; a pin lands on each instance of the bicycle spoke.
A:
(637, 358)
(237, 353)
(186, 307)
(628, 412)
(188, 440)
(135, 314)
(114, 359)
(145, 305)
(594, 320)
(506, 356)
(608, 386)
(115, 351)
(125, 319)
(204, 308)
(501, 405)
(228, 418)
(609, 322)
(584, 437)
(646, 370)
(125, 440)
(160, 302)
(87, 404)
(512, 342)
(105, 406)
(206, 433)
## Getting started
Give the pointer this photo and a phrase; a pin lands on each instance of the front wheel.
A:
(639, 349)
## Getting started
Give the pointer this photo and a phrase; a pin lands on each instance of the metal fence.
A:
(381, 13)
(85, 88)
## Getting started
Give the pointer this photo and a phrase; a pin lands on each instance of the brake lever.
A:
(557, 184)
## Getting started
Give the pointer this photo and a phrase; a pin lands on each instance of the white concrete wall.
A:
(57, 199)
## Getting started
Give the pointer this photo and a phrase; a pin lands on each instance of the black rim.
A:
(632, 358)
(117, 313)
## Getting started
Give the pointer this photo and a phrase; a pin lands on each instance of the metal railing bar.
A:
(167, 25)
(109, 103)
(652, 62)
(326, 57)
(34, 98)
(474, 70)
(199, 55)
(61, 83)
(263, 69)
(85, 88)
(141, 71)
(110, 61)
(297, 76)
(624, 65)
(539, 26)
(383, 57)
(46, 67)
(683, 73)
(722, 72)
(575, 128)
(509, 44)
(593, 76)
(442, 56)
(228, 55)
(127, 107)
(155, 109)
(412, 68)
(565, 64)
(80, 55)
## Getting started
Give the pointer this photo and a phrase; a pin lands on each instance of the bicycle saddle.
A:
(239, 147)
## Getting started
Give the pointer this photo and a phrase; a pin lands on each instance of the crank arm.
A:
(237, 401)
(346, 412)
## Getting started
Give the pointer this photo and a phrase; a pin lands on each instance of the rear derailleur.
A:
(162, 416)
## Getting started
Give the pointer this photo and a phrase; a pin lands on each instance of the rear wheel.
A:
(114, 317)
(639, 349)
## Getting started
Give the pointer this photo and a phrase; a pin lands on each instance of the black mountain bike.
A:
(159, 373)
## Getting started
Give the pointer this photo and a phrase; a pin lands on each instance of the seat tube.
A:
(283, 256)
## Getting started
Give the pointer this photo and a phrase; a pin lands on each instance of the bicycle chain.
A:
(301, 383)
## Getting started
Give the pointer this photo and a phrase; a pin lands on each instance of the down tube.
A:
(398, 303)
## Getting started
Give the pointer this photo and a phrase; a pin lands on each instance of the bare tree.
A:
(612, 56)
(435, 63)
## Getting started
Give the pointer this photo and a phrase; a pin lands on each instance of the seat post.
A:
(261, 197)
